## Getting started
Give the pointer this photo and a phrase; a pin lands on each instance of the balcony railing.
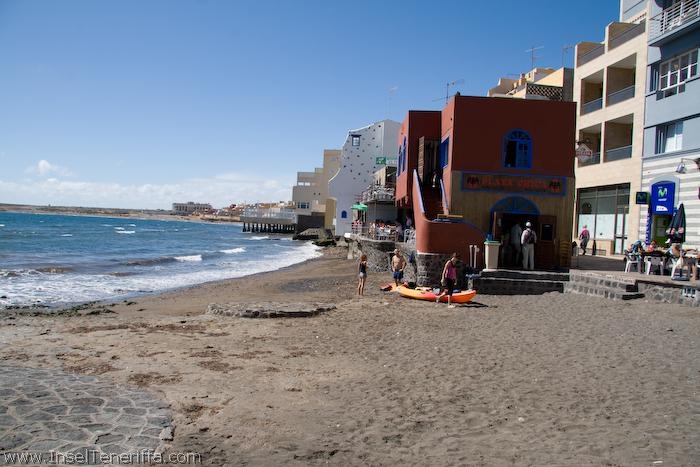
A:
(378, 193)
(627, 35)
(624, 152)
(594, 159)
(592, 106)
(621, 95)
(672, 18)
(590, 55)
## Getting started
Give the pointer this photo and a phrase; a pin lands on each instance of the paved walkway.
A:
(50, 410)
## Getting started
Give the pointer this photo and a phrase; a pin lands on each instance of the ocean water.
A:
(57, 260)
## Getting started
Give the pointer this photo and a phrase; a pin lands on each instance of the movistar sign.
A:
(662, 197)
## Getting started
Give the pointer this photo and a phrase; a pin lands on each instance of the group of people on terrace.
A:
(659, 260)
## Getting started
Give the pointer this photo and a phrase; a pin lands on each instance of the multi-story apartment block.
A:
(609, 87)
(670, 168)
(311, 191)
(365, 151)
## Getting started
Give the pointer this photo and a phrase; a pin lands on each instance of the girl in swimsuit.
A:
(361, 274)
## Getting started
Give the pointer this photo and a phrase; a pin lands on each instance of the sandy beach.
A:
(556, 379)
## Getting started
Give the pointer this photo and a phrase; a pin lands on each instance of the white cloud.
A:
(219, 191)
(44, 168)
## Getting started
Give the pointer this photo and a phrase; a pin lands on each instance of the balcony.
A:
(673, 18)
(378, 194)
(593, 160)
(623, 152)
(628, 34)
(621, 95)
(590, 55)
(592, 106)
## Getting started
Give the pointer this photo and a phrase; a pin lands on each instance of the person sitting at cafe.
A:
(686, 258)
(652, 247)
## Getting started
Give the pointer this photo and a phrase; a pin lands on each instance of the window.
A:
(669, 137)
(355, 140)
(444, 147)
(517, 150)
(303, 205)
(671, 76)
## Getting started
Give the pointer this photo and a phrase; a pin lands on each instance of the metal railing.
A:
(621, 95)
(592, 106)
(378, 193)
(626, 35)
(672, 18)
(590, 55)
(624, 152)
(594, 159)
(270, 214)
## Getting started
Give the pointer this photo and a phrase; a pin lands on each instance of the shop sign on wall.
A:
(514, 183)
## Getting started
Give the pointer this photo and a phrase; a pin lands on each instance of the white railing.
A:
(270, 214)
(672, 18)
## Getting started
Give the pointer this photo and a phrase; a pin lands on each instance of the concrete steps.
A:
(603, 286)
(510, 282)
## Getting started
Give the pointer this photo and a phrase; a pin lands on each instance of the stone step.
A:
(504, 286)
(526, 275)
(604, 292)
(603, 282)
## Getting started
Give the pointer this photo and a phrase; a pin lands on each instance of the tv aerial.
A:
(533, 57)
(447, 89)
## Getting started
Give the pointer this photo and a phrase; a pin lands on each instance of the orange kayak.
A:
(458, 297)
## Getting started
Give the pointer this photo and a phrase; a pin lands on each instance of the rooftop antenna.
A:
(565, 49)
(447, 89)
(533, 57)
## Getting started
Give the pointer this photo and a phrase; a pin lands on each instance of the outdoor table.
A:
(657, 257)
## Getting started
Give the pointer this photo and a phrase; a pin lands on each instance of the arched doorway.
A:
(508, 217)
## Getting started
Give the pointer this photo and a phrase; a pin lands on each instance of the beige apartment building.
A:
(538, 83)
(310, 194)
(609, 88)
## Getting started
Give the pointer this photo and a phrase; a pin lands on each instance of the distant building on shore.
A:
(185, 209)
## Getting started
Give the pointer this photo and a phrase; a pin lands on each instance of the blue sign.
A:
(663, 195)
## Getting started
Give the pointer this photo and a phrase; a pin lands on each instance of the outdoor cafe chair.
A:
(632, 260)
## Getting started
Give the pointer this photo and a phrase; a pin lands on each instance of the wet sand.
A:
(556, 379)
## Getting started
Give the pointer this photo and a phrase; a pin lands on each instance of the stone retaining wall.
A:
(425, 271)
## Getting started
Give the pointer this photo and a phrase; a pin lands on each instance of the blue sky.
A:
(141, 103)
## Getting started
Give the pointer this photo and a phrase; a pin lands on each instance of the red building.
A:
(471, 171)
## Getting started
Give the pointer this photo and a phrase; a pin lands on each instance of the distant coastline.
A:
(161, 214)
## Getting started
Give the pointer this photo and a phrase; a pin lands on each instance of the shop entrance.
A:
(508, 218)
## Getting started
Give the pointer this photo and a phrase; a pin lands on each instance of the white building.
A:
(365, 151)
(185, 209)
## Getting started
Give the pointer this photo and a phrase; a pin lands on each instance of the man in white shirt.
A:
(528, 240)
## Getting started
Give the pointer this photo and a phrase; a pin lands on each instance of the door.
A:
(497, 234)
(546, 248)
(621, 216)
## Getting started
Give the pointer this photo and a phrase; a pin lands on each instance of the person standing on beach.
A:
(448, 280)
(361, 274)
(528, 240)
(398, 264)
(583, 237)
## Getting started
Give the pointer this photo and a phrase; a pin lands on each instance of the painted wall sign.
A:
(514, 183)
(662, 197)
